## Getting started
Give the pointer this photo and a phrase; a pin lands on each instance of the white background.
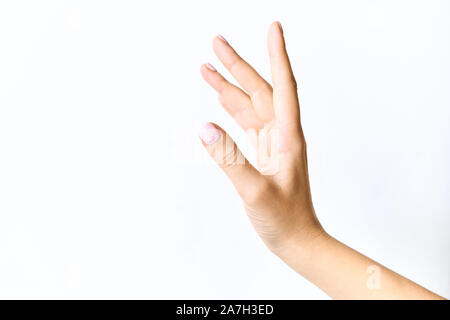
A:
(105, 191)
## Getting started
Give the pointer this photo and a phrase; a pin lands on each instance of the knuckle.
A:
(262, 92)
(227, 155)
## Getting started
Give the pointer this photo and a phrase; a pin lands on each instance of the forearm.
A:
(344, 273)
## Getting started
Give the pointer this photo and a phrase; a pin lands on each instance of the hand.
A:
(276, 194)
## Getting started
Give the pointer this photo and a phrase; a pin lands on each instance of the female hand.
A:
(276, 194)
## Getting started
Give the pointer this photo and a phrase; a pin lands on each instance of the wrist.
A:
(303, 242)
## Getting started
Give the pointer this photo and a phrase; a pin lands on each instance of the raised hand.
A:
(276, 194)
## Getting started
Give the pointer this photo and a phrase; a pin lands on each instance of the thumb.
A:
(221, 147)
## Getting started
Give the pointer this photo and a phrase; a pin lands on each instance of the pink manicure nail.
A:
(223, 39)
(210, 67)
(209, 133)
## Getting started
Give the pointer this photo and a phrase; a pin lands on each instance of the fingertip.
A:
(275, 38)
(220, 45)
(278, 24)
(216, 40)
(203, 71)
(217, 43)
(209, 133)
(220, 40)
(206, 70)
(210, 67)
(275, 27)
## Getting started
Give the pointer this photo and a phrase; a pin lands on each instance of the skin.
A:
(277, 196)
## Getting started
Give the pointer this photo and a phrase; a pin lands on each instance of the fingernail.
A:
(279, 25)
(223, 39)
(209, 133)
(210, 66)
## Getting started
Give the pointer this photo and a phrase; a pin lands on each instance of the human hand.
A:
(276, 194)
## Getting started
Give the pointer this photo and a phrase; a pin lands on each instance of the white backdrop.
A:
(105, 191)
